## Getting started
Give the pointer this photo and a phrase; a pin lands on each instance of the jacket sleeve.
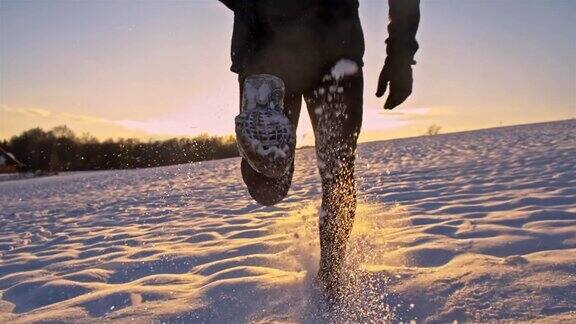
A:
(231, 4)
(401, 44)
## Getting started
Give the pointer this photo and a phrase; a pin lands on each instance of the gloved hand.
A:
(399, 76)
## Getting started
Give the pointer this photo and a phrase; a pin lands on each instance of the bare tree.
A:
(61, 150)
(433, 130)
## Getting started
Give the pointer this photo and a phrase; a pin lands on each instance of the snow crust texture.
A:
(476, 226)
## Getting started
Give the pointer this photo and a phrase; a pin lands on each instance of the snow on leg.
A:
(335, 108)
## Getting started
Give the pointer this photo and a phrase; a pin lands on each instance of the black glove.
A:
(399, 75)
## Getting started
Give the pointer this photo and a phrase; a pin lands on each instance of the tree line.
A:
(60, 149)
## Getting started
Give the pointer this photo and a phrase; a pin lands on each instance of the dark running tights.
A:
(335, 109)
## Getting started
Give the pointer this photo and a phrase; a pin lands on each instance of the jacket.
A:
(314, 33)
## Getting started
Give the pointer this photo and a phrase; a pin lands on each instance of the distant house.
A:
(9, 163)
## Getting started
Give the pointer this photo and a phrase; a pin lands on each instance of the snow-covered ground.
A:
(473, 226)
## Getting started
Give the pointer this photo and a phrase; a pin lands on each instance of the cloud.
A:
(159, 126)
(38, 112)
(17, 119)
(34, 112)
(14, 120)
(406, 111)
(377, 119)
(85, 118)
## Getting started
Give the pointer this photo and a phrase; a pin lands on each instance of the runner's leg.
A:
(335, 109)
(268, 191)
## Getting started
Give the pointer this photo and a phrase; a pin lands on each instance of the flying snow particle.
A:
(343, 68)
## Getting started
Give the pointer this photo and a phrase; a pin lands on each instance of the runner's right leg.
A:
(335, 109)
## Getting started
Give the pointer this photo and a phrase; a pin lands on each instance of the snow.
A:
(260, 95)
(344, 68)
(259, 89)
(476, 226)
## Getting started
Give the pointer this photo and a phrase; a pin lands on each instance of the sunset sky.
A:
(156, 69)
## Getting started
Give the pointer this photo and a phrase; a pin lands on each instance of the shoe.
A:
(266, 191)
(265, 136)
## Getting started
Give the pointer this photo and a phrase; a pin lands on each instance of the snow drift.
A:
(472, 226)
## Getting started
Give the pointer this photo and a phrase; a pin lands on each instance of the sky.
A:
(160, 68)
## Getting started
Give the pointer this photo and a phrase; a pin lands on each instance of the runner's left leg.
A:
(269, 191)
